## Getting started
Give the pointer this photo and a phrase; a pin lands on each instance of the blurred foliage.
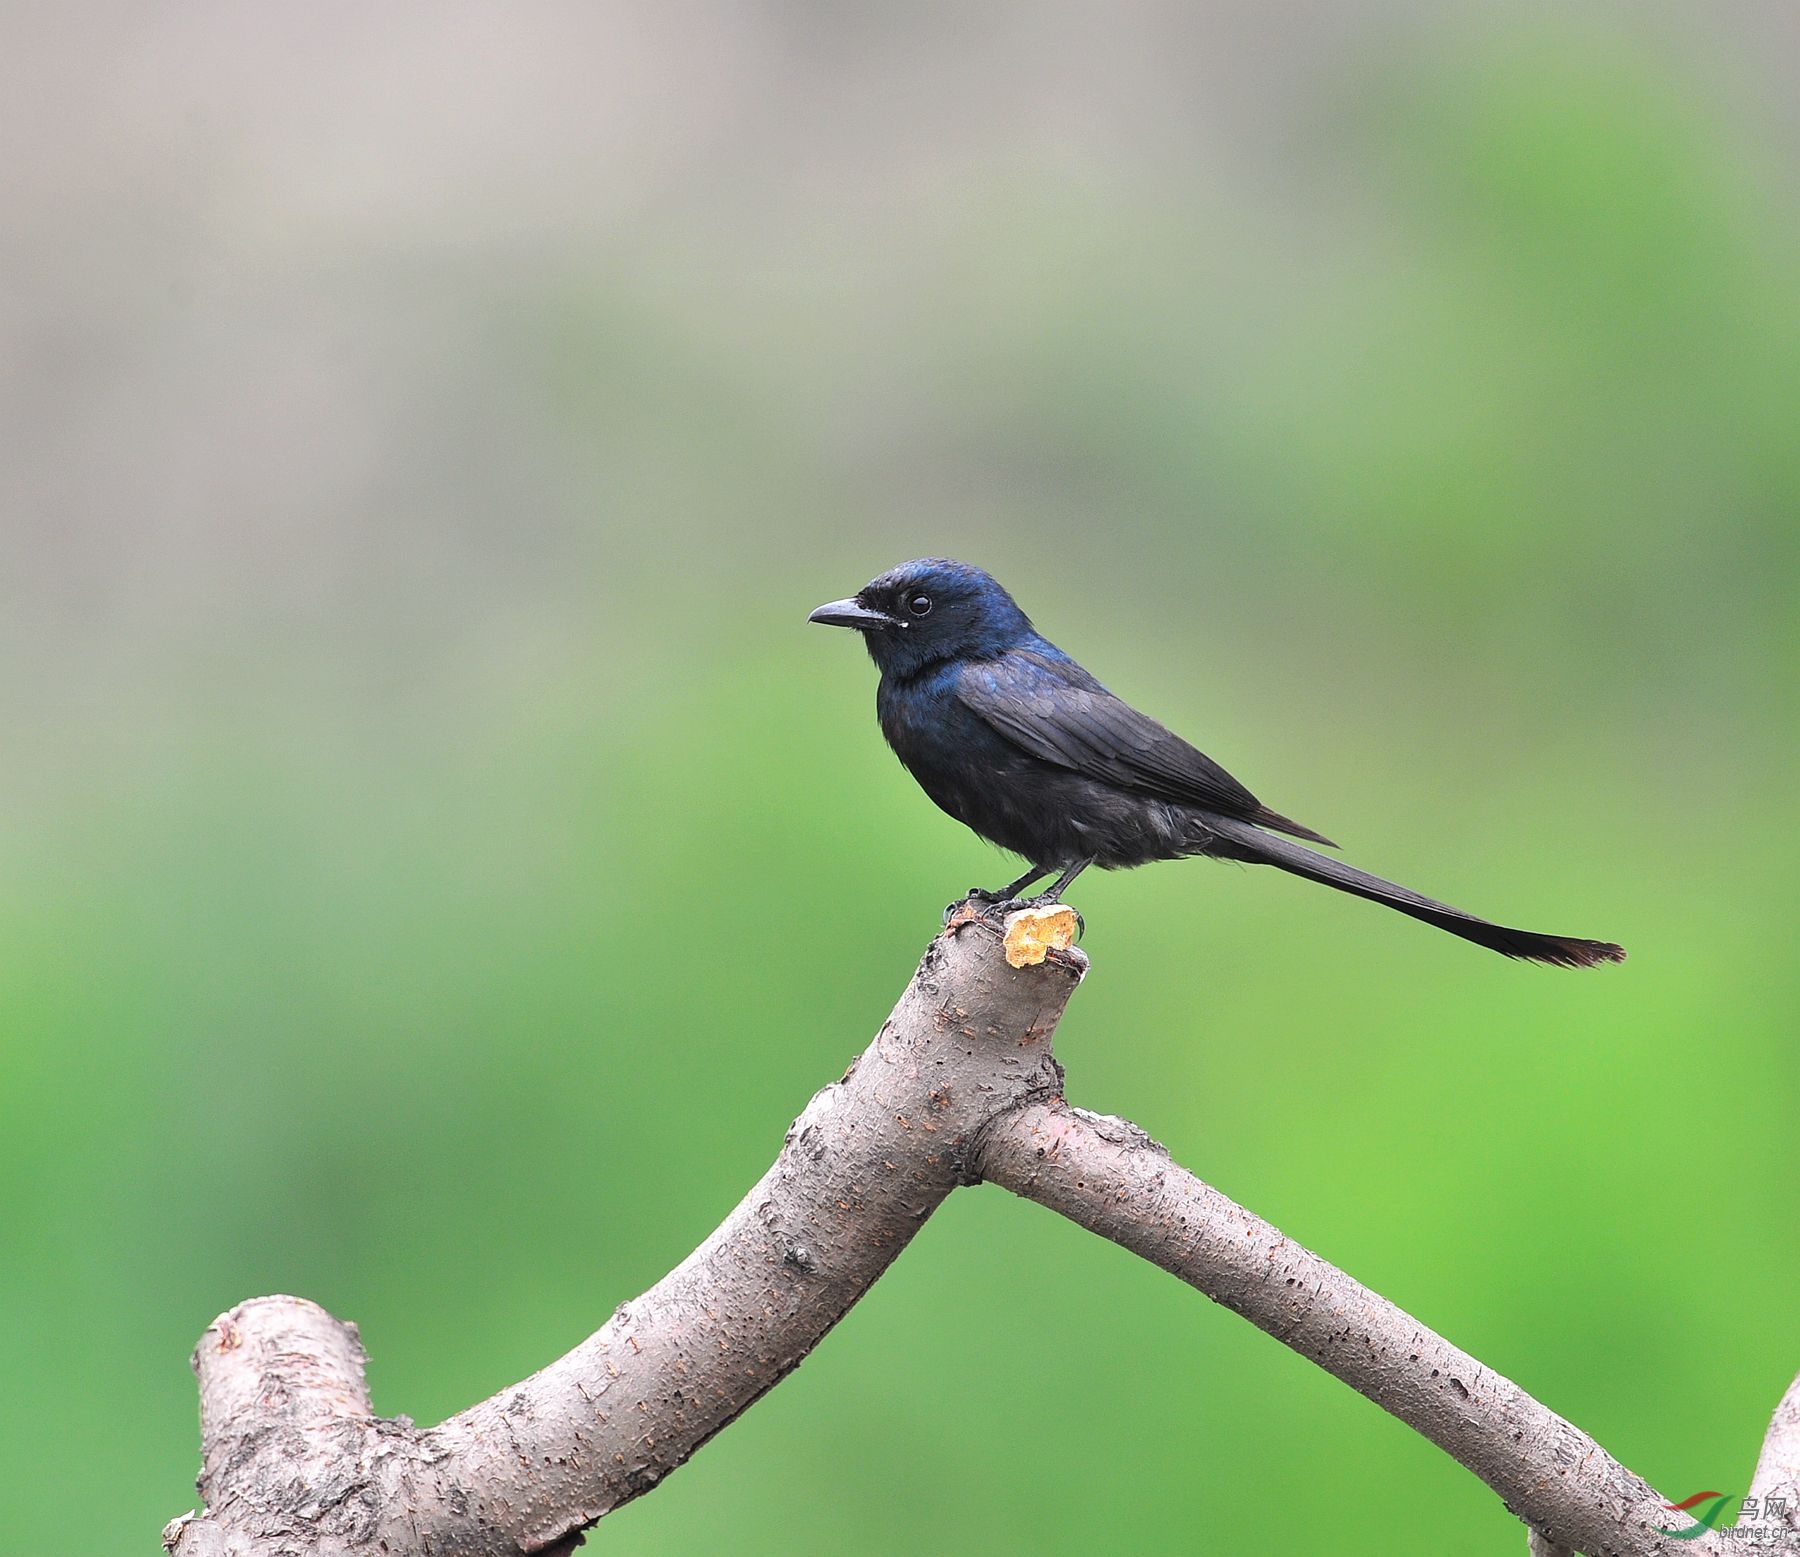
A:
(1452, 503)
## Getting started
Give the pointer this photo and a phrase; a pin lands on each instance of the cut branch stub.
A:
(285, 1418)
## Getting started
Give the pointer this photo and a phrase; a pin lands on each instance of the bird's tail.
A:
(1243, 842)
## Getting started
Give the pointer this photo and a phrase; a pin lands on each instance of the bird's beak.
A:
(848, 613)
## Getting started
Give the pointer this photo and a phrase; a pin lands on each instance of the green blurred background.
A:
(426, 429)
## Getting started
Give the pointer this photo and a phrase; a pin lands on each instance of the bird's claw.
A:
(984, 900)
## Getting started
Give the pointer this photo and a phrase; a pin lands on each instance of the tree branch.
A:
(872, 1157)
(959, 1085)
(1112, 1179)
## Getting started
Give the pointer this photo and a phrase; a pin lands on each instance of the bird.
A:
(1013, 738)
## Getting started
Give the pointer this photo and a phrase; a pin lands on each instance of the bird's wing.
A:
(1057, 712)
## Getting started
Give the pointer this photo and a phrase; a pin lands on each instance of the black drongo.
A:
(1012, 737)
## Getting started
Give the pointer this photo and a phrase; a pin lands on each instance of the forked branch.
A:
(959, 1085)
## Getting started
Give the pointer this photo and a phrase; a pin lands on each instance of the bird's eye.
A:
(919, 605)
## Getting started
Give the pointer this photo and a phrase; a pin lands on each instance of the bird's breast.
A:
(948, 749)
(974, 773)
(931, 732)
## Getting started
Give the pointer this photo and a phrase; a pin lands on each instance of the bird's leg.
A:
(1006, 894)
(1012, 889)
(1060, 885)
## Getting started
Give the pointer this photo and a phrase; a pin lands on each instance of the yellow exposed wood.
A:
(1033, 933)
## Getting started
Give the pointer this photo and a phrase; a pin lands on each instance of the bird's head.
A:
(934, 609)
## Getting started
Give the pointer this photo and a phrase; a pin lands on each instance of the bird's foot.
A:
(986, 904)
(981, 899)
(974, 907)
(980, 904)
(991, 905)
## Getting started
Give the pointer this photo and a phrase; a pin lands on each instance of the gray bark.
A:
(960, 1084)
(1778, 1468)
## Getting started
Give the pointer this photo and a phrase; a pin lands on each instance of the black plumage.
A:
(1012, 737)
